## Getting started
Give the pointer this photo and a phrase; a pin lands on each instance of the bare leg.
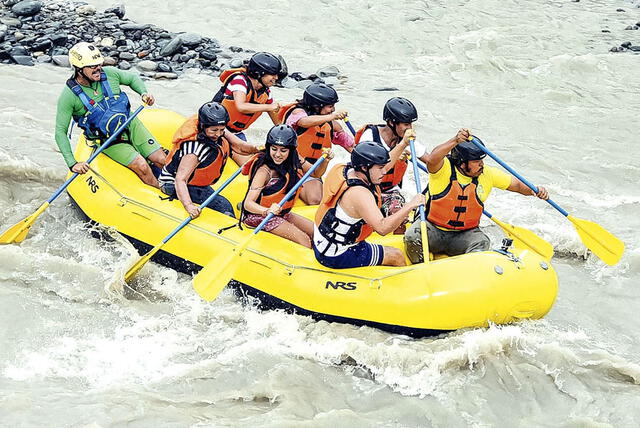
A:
(393, 257)
(158, 158)
(289, 231)
(304, 224)
(311, 192)
(140, 166)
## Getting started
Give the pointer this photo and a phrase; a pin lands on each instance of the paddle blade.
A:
(599, 240)
(135, 268)
(18, 232)
(210, 281)
(523, 238)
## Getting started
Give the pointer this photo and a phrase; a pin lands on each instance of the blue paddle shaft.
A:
(530, 185)
(416, 174)
(203, 205)
(350, 126)
(97, 152)
(290, 194)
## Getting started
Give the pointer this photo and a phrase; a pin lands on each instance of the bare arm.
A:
(239, 145)
(519, 187)
(188, 164)
(320, 119)
(399, 148)
(435, 159)
(363, 205)
(255, 187)
(240, 99)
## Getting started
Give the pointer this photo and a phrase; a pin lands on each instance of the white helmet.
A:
(84, 54)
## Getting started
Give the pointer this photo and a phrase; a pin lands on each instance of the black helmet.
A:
(282, 135)
(467, 151)
(284, 71)
(367, 153)
(263, 63)
(319, 95)
(212, 114)
(399, 110)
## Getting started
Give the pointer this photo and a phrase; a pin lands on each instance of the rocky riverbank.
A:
(33, 31)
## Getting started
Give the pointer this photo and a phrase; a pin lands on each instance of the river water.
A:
(533, 79)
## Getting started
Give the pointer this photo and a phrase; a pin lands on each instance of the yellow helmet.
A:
(84, 54)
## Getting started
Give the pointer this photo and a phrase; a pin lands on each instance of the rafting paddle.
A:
(595, 237)
(210, 281)
(350, 126)
(135, 268)
(423, 221)
(19, 231)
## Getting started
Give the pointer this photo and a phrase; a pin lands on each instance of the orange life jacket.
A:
(394, 176)
(312, 140)
(207, 172)
(239, 121)
(457, 207)
(335, 184)
(274, 193)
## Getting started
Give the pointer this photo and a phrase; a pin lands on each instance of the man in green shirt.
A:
(99, 89)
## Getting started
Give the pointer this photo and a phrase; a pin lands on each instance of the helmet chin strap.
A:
(391, 124)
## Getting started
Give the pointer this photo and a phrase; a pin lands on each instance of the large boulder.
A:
(26, 8)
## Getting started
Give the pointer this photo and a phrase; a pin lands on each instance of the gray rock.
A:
(10, 3)
(235, 49)
(58, 50)
(169, 76)
(18, 36)
(235, 63)
(288, 82)
(118, 10)
(61, 60)
(41, 45)
(128, 56)
(86, 10)
(26, 8)
(131, 26)
(328, 71)
(629, 27)
(23, 60)
(192, 54)
(147, 65)
(43, 59)
(3, 34)
(109, 60)
(183, 58)
(11, 22)
(164, 36)
(190, 39)
(124, 65)
(106, 42)
(172, 47)
(164, 68)
(634, 48)
(19, 50)
(209, 54)
(303, 84)
(386, 89)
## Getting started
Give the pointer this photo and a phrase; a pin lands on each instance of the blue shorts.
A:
(199, 194)
(361, 254)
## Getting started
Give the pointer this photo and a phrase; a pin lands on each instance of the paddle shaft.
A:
(96, 153)
(289, 194)
(518, 176)
(207, 201)
(350, 126)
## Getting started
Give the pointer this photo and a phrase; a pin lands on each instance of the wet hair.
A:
(290, 166)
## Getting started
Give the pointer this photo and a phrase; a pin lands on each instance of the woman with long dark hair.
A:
(272, 173)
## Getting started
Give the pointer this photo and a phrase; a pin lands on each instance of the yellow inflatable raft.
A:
(446, 294)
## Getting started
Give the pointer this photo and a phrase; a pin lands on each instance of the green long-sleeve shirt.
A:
(70, 105)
